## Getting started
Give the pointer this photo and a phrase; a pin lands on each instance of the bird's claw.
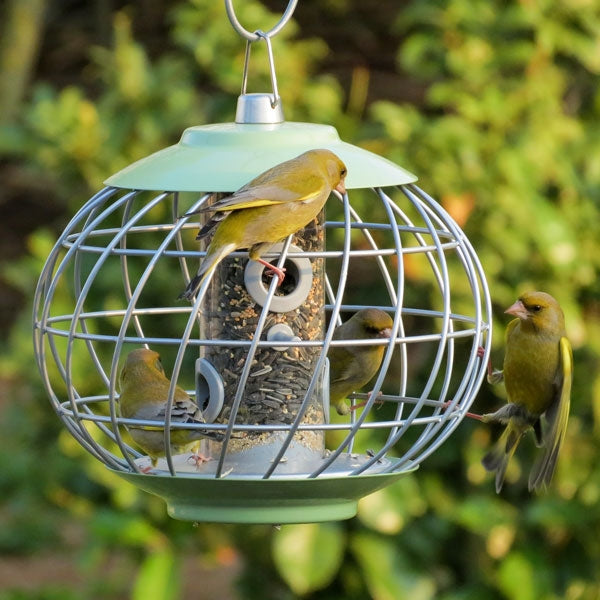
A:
(198, 459)
(470, 415)
(273, 270)
(364, 402)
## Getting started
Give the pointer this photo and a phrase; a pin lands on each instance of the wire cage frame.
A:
(93, 303)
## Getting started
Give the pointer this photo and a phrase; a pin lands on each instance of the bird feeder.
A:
(254, 355)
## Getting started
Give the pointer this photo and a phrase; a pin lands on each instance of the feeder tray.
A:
(234, 499)
(254, 357)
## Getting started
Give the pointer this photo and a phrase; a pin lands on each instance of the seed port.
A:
(294, 289)
(209, 390)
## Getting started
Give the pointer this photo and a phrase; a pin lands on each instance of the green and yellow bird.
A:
(352, 366)
(144, 393)
(537, 373)
(274, 205)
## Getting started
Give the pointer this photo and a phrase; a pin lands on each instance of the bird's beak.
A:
(518, 310)
(340, 187)
(385, 333)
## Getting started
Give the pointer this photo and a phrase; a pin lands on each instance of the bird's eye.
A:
(343, 172)
(536, 308)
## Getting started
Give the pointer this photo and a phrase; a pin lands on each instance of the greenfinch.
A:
(144, 393)
(537, 373)
(274, 205)
(353, 366)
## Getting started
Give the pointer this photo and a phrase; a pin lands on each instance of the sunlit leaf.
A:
(308, 556)
(157, 577)
(387, 575)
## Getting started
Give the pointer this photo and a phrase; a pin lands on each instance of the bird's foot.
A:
(467, 414)
(506, 413)
(364, 402)
(494, 376)
(198, 459)
(274, 270)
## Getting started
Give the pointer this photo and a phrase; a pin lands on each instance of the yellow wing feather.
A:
(557, 417)
(269, 195)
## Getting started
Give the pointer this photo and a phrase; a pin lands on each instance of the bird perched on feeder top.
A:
(144, 394)
(353, 365)
(274, 205)
(537, 373)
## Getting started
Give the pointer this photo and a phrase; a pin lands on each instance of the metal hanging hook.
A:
(262, 35)
(253, 37)
(256, 36)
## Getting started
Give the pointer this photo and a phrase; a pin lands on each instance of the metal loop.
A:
(253, 37)
(264, 36)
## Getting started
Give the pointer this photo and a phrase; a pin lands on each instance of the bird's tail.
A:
(499, 456)
(543, 469)
(208, 265)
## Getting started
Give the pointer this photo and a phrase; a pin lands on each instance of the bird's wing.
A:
(343, 367)
(211, 224)
(150, 411)
(557, 417)
(184, 409)
(270, 193)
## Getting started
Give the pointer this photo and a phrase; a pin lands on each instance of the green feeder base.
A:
(276, 500)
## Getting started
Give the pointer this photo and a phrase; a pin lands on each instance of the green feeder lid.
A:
(223, 157)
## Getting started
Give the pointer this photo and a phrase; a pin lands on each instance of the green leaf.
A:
(389, 509)
(480, 514)
(157, 578)
(308, 556)
(516, 578)
(387, 574)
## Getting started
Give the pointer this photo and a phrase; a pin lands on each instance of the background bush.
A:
(493, 104)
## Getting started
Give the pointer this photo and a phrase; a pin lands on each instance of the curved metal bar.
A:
(83, 295)
(443, 281)
(320, 365)
(450, 339)
(262, 319)
(473, 376)
(65, 369)
(382, 370)
(359, 224)
(415, 339)
(222, 427)
(178, 241)
(253, 37)
(244, 254)
(41, 290)
(39, 331)
(129, 314)
(77, 277)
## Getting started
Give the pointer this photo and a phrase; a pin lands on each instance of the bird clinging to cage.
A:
(537, 373)
(144, 393)
(277, 203)
(352, 366)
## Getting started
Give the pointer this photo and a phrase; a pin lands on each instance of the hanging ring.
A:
(253, 37)
(265, 36)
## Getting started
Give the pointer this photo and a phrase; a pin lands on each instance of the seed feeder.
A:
(251, 354)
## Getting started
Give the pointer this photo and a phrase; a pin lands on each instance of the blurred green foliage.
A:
(506, 137)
